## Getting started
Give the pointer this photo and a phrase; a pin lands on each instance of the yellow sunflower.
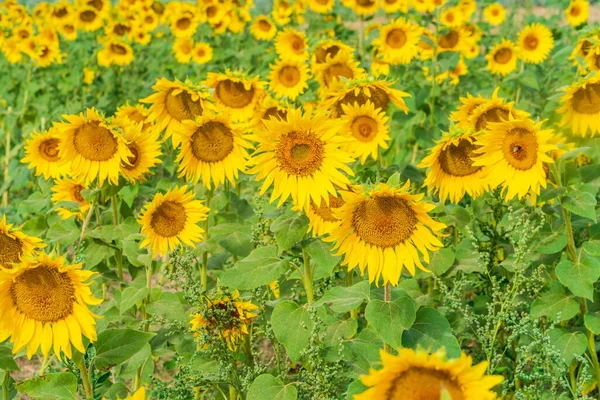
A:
(88, 19)
(367, 128)
(327, 49)
(413, 375)
(288, 78)
(451, 172)
(379, 68)
(423, 6)
(502, 59)
(137, 114)
(462, 116)
(455, 39)
(467, 8)
(514, 153)
(493, 110)
(236, 92)
(535, 42)
(183, 48)
(184, 25)
(494, 14)
(263, 28)
(227, 316)
(592, 59)
(44, 303)
(115, 52)
(394, 6)
(321, 6)
(330, 73)
(578, 12)
(321, 218)
(144, 146)
(269, 108)
(363, 7)
(301, 157)
(15, 245)
(93, 148)
(41, 153)
(452, 17)
(381, 231)
(580, 106)
(202, 53)
(291, 45)
(170, 219)
(47, 54)
(398, 41)
(69, 189)
(68, 30)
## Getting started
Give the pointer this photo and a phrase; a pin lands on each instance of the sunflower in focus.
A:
(291, 45)
(301, 157)
(202, 53)
(183, 49)
(93, 148)
(45, 303)
(41, 154)
(535, 42)
(414, 375)
(502, 59)
(115, 52)
(236, 92)
(514, 153)
(366, 126)
(144, 146)
(321, 218)
(321, 6)
(492, 110)
(578, 12)
(227, 315)
(288, 78)
(494, 14)
(263, 28)
(15, 245)
(136, 114)
(170, 219)
(381, 231)
(580, 106)
(69, 189)
(398, 41)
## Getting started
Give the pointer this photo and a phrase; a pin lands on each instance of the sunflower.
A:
(184, 25)
(455, 39)
(41, 153)
(381, 231)
(301, 156)
(423, 6)
(202, 53)
(183, 48)
(398, 41)
(291, 45)
(366, 126)
(269, 108)
(363, 7)
(170, 219)
(452, 17)
(174, 102)
(450, 168)
(263, 28)
(236, 92)
(462, 117)
(535, 42)
(327, 49)
(69, 189)
(144, 146)
(68, 30)
(330, 73)
(321, 218)
(15, 245)
(137, 114)
(592, 59)
(502, 59)
(492, 110)
(467, 8)
(580, 106)
(88, 19)
(115, 52)
(577, 12)
(227, 316)
(394, 6)
(44, 303)
(213, 148)
(288, 78)
(413, 375)
(92, 147)
(494, 14)
(379, 68)
(513, 152)
(321, 6)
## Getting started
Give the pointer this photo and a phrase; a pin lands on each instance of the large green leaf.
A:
(441, 261)
(579, 277)
(592, 322)
(131, 296)
(592, 248)
(555, 301)
(234, 238)
(570, 344)
(7, 361)
(61, 385)
(115, 346)
(552, 242)
(169, 305)
(391, 318)
(289, 230)
(431, 331)
(292, 326)
(343, 299)
(580, 203)
(260, 268)
(320, 252)
(266, 386)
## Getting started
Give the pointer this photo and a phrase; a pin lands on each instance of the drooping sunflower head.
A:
(41, 153)
(330, 73)
(514, 153)
(93, 147)
(413, 375)
(44, 303)
(69, 189)
(15, 245)
(495, 109)
(494, 14)
(291, 45)
(580, 106)
(366, 126)
(226, 315)
(398, 41)
(535, 42)
(170, 219)
(288, 78)
(577, 12)
(263, 28)
(236, 92)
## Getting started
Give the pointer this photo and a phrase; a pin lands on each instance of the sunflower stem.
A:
(44, 365)
(308, 278)
(86, 222)
(518, 95)
(119, 252)
(7, 134)
(204, 266)
(349, 273)
(5, 385)
(85, 378)
(387, 296)
(433, 80)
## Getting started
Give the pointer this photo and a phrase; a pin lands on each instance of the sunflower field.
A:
(299, 199)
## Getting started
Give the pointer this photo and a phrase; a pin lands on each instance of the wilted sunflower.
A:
(343, 65)
(115, 52)
(144, 146)
(580, 106)
(321, 6)
(577, 12)
(15, 245)
(462, 116)
(514, 153)
(398, 41)
(494, 14)
(363, 7)
(212, 149)
(417, 375)
(41, 153)
(263, 28)
(174, 102)
(202, 53)
(183, 48)
(366, 126)
(236, 92)
(226, 316)
(288, 78)
(291, 45)
(69, 189)
(88, 19)
(535, 42)
(92, 147)
(451, 172)
(44, 303)
(381, 231)
(502, 59)
(301, 157)
(170, 219)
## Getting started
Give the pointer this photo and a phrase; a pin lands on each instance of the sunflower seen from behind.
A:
(69, 190)
(535, 42)
(16, 245)
(236, 92)
(171, 219)
(41, 154)
(580, 106)
(45, 305)
(382, 229)
(288, 78)
(366, 126)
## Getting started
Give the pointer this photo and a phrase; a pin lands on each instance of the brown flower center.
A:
(575, 11)
(322, 53)
(586, 100)
(87, 16)
(289, 76)
(134, 158)
(234, 94)
(420, 383)
(456, 160)
(503, 55)
(264, 25)
(364, 129)
(300, 153)
(49, 149)
(11, 250)
(531, 42)
(121, 29)
(449, 40)
(365, 3)
(183, 23)
(396, 38)
(181, 106)
(118, 49)
(168, 219)
(495, 114)
(379, 98)
(520, 148)
(94, 142)
(76, 190)
(212, 142)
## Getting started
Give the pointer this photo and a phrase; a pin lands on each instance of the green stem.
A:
(5, 385)
(137, 382)
(349, 273)
(119, 252)
(232, 393)
(204, 266)
(518, 95)
(86, 222)
(591, 344)
(7, 133)
(387, 296)
(571, 249)
(44, 365)
(308, 278)
(85, 378)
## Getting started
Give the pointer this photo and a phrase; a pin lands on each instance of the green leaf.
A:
(260, 268)
(589, 173)
(592, 247)
(289, 230)
(320, 252)
(551, 192)
(234, 238)
(431, 331)
(555, 301)
(441, 261)
(343, 299)
(7, 361)
(552, 242)
(344, 329)
(292, 326)
(355, 387)
(61, 385)
(131, 296)
(529, 79)
(170, 306)
(592, 322)
(391, 318)
(95, 252)
(266, 386)
(115, 346)
(579, 277)
(570, 344)
(580, 203)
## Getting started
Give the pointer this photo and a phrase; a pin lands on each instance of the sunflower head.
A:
(495, 109)
(288, 78)
(15, 245)
(333, 70)
(494, 14)
(578, 12)
(115, 52)
(291, 45)
(398, 41)
(202, 53)
(328, 49)
(41, 153)
(580, 106)
(366, 126)
(183, 49)
(263, 28)
(69, 189)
